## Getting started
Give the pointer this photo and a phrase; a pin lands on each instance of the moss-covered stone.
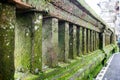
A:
(74, 41)
(63, 41)
(78, 40)
(84, 40)
(7, 24)
(23, 43)
(81, 43)
(89, 41)
(71, 41)
(50, 42)
(66, 41)
(83, 68)
(37, 19)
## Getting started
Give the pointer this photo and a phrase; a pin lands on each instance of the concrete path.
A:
(112, 70)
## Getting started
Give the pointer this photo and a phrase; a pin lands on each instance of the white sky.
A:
(93, 5)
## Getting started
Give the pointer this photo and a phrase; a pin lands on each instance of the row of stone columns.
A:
(41, 42)
(33, 43)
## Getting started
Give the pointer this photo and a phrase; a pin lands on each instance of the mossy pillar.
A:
(71, 41)
(93, 40)
(28, 42)
(50, 42)
(66, 41)
(23, 42)
(36, 56)
(84, 40)
(74, 41)
(63, 41)
(102, 40)
(78, 41)
(97, 40)
(89, 41)
(7, 24)
(81, 43)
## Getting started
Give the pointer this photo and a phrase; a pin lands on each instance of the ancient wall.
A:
(52, 39)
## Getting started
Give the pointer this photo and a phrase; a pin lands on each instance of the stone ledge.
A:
(84, 65)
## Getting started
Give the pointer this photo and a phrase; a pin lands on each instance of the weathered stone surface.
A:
(97, 35)
(74, 41)
(84, 40)
(37, 19)
(71, 41)
(89, 46)
(7, 24)
(50, 42)
(87, 41)
(78, 41)
(73, 9)
(55, 11)
(23, 42)
(81, 42)
(42, 40)
(66, 41)
(63, 41)
(91, 40)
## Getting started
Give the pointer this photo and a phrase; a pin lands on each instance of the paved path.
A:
(113, 71)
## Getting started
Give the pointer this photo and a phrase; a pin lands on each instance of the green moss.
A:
(37, 45)
(94, 72)
(82, 68)
(23, 43)
(7, 23)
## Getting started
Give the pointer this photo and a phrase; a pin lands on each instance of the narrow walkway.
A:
(112, 70)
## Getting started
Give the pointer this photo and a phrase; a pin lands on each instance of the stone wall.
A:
(52, 41)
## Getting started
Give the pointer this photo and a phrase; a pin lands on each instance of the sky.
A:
(93, 5)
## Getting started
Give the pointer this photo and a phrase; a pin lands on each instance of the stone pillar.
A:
(71, 41)
(74, 41)
(102, 40)
(98, 40)
(93, 40)
(50, 42)
(78, 41)
(7, 24)
(84, 40)
(23, 42)
(66, 41)
(89, 41)
(63, 41)
(36, 58)
(81, 42)
(111, 38)
(28, 42)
